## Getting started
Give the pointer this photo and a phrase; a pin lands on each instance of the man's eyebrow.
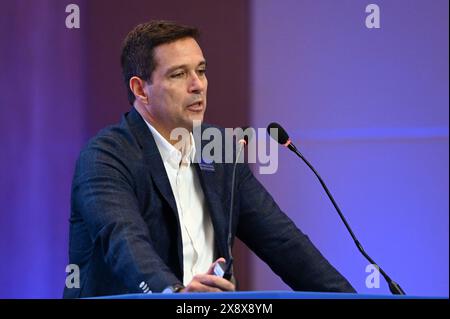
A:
(183, 66)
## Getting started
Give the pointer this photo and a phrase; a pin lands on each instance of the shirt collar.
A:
(169, 153)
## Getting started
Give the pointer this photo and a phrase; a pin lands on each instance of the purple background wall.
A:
(58, 87)
(368, 107)
(41, 132)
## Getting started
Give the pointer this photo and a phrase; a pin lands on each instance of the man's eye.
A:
(201, 71)
(177, 75)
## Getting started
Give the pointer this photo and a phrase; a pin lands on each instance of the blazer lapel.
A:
(208, 174)
(155, 165)
(152, 157)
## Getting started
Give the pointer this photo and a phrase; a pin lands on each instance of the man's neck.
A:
(165, 133)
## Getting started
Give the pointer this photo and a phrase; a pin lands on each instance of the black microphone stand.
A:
(229, 264)
(393, 286)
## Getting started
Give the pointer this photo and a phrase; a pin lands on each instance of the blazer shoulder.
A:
(113, 147)
(116, 139)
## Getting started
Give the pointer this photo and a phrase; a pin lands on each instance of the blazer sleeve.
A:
(273, 236)
(104, 197)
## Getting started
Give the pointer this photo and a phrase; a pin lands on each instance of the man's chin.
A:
(190, 124)
(195, 121)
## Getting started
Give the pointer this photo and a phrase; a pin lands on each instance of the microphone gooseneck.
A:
(277, 132)
(243, 141)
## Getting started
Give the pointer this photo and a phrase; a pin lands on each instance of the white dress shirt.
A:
(196, 227)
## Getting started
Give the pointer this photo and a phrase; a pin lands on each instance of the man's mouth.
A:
(196, 107)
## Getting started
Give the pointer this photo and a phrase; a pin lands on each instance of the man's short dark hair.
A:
(138, 48)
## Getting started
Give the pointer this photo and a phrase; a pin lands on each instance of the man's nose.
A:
(197, 84)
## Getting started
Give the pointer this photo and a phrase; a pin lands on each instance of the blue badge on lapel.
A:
(206, 166)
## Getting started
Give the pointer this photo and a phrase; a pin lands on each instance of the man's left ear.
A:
(137, 85)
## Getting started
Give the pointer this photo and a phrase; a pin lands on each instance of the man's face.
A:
(177, 92)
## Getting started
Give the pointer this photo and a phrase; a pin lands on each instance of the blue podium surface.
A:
(262, 295)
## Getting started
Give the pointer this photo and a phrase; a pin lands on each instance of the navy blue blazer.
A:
(125, 233)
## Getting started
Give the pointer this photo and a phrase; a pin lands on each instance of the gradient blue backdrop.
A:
(368, 107)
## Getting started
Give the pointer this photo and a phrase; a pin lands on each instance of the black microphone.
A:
(221, 269)
(280, 135)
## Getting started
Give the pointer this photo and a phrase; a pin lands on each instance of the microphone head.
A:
(247, 135)
(278, 133)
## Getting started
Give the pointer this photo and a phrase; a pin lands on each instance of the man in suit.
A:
(146, 216)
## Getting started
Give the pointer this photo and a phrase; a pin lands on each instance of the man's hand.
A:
(209, 282)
